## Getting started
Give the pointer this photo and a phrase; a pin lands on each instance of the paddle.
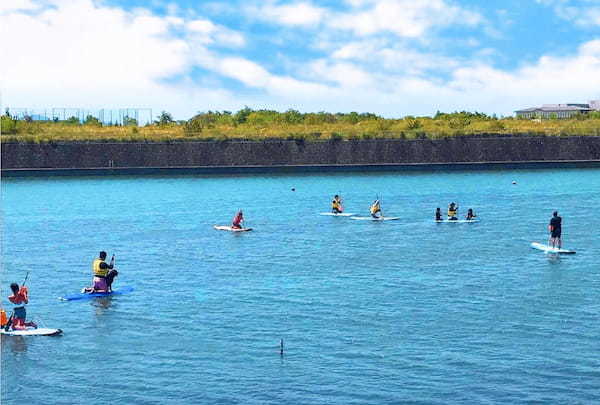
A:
(9, 322)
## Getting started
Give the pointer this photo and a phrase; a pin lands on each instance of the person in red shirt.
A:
(237, 220)
(20, 298)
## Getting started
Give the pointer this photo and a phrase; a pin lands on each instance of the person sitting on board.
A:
(336, 205)
(103, 274)
(452, 212)
(555, 229)
(470, 215)
(19, 298)
(375, 209)
(237, 220)
(438, 214)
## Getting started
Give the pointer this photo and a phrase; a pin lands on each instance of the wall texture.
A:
(297, 153)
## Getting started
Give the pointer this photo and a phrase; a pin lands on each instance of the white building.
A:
(559, 110)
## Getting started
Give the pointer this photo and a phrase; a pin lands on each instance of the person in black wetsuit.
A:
(555, 229)
(438, 214)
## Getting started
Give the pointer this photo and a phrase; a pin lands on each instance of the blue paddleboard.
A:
(85, 296)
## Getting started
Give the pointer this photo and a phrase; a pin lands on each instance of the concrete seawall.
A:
(237, 156)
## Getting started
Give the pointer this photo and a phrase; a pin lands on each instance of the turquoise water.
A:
(401, 311)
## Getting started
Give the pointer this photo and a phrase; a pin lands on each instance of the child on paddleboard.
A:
(470, 215)
(19, 298)
(452, 211)
(438, 214)
(336, 205)
(237, 220)
(375, 209)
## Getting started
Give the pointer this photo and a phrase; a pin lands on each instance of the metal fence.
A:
(107, 116)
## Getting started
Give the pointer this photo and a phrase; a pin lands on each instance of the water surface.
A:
(402, 311)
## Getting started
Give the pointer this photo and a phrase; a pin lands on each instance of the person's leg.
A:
(99, 284)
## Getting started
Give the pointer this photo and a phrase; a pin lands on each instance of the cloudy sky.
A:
(390, 57)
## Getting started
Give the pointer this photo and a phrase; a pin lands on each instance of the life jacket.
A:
(98, 272)
(375, 208)
(18, 299)
(452, 213)
(336, 204)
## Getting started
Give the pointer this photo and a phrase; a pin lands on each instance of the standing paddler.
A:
(555, 228)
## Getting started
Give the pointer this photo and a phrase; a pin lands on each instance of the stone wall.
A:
(482, 149)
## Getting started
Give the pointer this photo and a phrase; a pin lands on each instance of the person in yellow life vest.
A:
(336, 205)
(375, 209)
(103, 274)
(452, 212)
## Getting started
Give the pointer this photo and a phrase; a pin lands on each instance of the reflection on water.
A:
(16, 344)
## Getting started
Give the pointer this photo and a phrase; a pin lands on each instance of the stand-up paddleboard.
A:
(85, 296)
(375, 219)
(457, 221)
(31, 332)
(550, 249)
(231, 229)
(333, 214)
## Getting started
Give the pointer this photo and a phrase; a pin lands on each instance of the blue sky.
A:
(390, 57)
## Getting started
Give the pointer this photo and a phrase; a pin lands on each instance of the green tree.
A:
(129, 122)
(164, 118)
(91, 120)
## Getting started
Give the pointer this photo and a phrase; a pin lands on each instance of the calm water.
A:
(402, 311)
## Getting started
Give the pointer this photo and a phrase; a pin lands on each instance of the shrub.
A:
(412, 122)
(7, 125)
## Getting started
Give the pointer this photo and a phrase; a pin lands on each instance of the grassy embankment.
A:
(253, 125)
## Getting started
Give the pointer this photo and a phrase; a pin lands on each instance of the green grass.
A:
(309, 127)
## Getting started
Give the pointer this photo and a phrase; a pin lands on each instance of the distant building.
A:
(559, 110)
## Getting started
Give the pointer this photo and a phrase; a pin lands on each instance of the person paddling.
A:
(237, 220)
(452, 211)
(375, 209)
(104, 274)
(555, 228)
(470, 215)
(438, 214)
(19, 298)
(336, 205)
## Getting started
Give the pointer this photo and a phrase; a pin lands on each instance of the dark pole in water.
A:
(281, 347)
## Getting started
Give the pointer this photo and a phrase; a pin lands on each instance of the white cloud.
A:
(144, 59)
(584, 13)
(294, 14)
(66, 55)
(7, 6)
(405, 18)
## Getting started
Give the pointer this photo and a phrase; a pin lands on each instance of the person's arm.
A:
(103, 265)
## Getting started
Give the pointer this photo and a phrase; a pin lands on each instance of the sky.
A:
(389, 57)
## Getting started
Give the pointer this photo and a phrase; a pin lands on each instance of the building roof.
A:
(555, 108)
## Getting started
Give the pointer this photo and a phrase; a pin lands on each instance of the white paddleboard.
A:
(550, 249)
(343, 214)
(375, 219)
(231, 229)
(458, 221)
(31, 332)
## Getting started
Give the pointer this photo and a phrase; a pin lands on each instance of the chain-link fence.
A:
(107, 116)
